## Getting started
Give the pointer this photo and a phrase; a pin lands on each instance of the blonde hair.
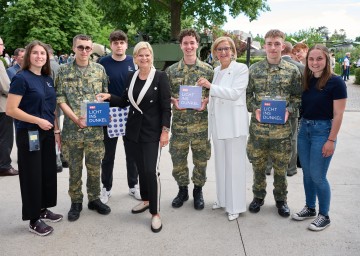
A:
(143, 45)
(220, 40)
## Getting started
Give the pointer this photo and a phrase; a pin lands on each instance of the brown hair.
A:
(300, 46)
(45, 70)
(81, 37)
(275, 33)
(188, 32)
(325, 75)
(118, 35)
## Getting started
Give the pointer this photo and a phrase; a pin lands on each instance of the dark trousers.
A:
(107, 164)
(146, 157)
(6, 140)
(346, 73)
(37, 173)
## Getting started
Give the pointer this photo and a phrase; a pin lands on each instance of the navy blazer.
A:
(156, 108)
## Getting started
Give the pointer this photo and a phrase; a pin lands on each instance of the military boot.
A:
(181, 197)
(198, 198)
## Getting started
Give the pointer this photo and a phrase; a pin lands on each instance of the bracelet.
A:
(331, 140)
(57, 132)
(165, 129)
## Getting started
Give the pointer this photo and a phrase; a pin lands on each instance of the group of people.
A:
(229, 93)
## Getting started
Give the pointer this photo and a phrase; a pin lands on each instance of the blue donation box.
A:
(95, 113)
(190, 96)
(273, 111)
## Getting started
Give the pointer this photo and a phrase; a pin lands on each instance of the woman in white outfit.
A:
(228, 127)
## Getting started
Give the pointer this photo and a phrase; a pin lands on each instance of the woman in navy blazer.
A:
(147, 128)
(228, 126)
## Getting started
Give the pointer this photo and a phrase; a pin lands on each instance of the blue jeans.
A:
(313, 134)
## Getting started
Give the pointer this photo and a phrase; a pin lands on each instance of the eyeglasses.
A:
(81, 48)
(226, 49)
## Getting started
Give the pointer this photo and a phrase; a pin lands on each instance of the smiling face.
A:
(189, 46)
(317, 62)
(273, 48)
(38, 57)
(143, 59)
(224, 52)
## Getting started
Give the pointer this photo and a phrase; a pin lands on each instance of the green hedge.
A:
(252, 60)
(357, 76)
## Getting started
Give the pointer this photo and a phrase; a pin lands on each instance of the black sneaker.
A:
(99, 207)
(255, 205)
(305, 213)
(48, 215)
(40, 228)
(321, 222)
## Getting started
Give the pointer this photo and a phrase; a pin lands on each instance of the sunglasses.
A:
(226, 49)
(81, 48)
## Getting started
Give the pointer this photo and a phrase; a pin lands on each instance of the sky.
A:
(290, 16)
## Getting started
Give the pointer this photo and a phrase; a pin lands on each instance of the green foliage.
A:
(309, 36)
(53, 22)
(252, 60)
(148, 15)
(357, 76)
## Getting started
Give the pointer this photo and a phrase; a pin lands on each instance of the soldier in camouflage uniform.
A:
(271, 77)
(78, 81)
(189, 126)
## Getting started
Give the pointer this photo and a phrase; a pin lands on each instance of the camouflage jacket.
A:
(188, 120)
(73, 86)
(282, 80)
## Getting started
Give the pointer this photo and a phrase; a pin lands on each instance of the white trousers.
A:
(230, 172)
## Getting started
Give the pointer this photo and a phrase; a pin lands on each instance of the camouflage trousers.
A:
(201, 152)
(74, 152)
(259, 150)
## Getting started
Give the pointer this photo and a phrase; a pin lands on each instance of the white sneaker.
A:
(135, 192)
(216, 205)
(233, 216)
(104, 195)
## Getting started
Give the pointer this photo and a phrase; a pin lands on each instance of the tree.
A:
(309, 36)
(202, 11)
(55, 22)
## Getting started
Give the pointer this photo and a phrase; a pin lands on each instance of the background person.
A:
(18, 58)
(323, 103)
(6, 123)
(228, 126)
(300, 50)
(32, 102)
(148, 126)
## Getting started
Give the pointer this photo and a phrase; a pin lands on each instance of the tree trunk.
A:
(175, 8)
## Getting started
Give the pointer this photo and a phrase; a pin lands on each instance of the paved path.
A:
(190, 232)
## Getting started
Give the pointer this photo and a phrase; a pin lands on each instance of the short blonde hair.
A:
(220, 40)
(143, 45)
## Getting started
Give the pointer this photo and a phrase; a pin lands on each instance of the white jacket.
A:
(228, 102)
